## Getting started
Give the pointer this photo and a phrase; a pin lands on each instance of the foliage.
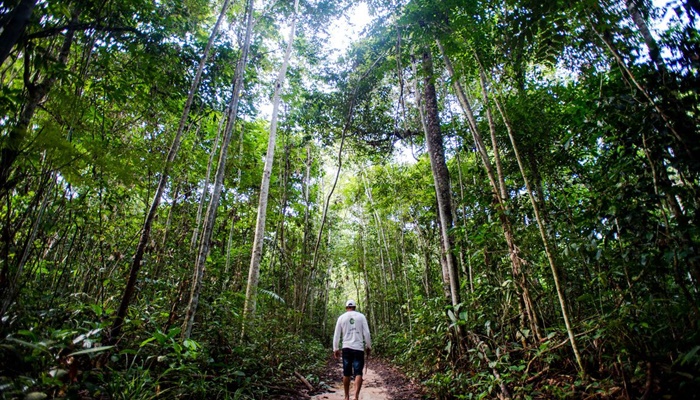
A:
(598, 117)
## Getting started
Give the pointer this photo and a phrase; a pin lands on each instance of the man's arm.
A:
(365, 333)
(336, 338)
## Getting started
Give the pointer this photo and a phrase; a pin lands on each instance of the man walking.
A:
(352, 328)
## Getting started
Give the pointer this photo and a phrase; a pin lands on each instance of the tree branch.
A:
(80, 27)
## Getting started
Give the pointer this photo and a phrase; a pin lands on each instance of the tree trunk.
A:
(254, 271)
(368, 294)
(443, 261)
(424, 246)
(205, 188)
(303, 259)
(492, 129)
(652, 46)
(466, 264)
(381, 236)
(407, 284)
(13, 26)
(164, 242)
(281, 285)
(234, 218)
(150, 216)
(327, 201)
(441, 175)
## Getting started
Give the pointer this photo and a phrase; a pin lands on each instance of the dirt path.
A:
(381, 382)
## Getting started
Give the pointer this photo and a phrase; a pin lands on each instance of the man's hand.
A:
(368, 351)
(336, 354)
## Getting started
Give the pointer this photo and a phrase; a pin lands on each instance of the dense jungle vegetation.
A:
(190, 189)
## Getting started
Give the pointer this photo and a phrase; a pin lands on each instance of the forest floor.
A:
(380, 382)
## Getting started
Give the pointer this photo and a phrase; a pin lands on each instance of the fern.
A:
(272, 295)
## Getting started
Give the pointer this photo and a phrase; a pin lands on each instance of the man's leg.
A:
(358, 385)
(347, 372)
(358, 365)
(346, 386)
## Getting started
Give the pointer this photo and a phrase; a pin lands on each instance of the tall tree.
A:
(441, 177)
(210, 216)
(254, 271)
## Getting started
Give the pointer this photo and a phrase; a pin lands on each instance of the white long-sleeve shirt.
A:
(353, 329)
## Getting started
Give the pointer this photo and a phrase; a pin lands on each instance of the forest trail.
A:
(381, 382)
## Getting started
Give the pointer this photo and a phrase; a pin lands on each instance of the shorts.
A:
(353, 362)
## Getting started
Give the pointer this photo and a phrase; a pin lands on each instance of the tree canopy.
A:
(509, 189)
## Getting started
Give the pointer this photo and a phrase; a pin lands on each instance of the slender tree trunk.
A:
(424, 246)
(12, 289)
(639, 21)
(381, 237)
(368, 296)
(284, 263)
(545, 240)
(525, 304)
(229, 245)
(254, 272)
(484, 352)
(492, 129)
(234, 218)
(326, 204)
(164, 242)
(662, 190)
(150, 216)
(303, 259)
(407, 285)
(205, 188)
(346, 127)
(210, 217)
(465, 263)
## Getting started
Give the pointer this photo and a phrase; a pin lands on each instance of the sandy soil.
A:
(381, 382)
(373, 388)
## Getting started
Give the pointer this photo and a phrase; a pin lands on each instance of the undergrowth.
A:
(490, 359)
(40, 361)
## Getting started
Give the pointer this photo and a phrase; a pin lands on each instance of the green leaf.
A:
(451, 314)
(689, 357)
(190, 344)
(160, 337)
(90, 351)
(40, 346)
(273, 295)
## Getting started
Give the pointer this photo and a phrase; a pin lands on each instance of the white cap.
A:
(350, 303)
